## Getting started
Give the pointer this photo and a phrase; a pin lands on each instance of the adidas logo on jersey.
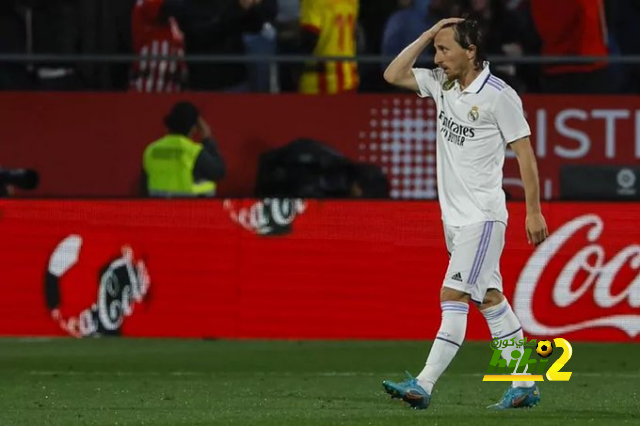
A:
(457, 277)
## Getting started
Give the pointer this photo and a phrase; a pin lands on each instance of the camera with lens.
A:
(20, 178)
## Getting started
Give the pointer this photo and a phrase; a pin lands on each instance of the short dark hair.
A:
(182, 117)
(468, 33)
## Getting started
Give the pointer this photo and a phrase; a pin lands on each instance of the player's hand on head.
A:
(442, 23)
(536, 228)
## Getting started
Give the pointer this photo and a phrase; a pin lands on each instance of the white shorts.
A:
(474, 258)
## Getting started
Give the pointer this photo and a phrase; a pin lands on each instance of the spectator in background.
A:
(572, 28)
(217, 27)
(262, 76)
(176, 165)
(329, 29)
(528, 39)
(155, 32)
(422, 7)
(625, 32)
(503, 36)
(402, 29)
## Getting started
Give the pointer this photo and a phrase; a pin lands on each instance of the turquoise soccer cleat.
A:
(518, 398)
(409, 391)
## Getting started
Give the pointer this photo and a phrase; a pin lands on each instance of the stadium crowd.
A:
(181, 28)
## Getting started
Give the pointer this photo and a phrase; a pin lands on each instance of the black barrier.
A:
(594, 182)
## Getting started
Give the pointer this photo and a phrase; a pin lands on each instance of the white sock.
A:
(448, 340)
(504, 324)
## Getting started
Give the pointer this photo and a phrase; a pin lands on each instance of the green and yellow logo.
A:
(521, 359)
(448, 85)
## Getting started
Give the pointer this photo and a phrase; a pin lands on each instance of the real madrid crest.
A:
(474, 114)
(447, 85)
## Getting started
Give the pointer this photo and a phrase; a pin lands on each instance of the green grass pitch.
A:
(194, 382)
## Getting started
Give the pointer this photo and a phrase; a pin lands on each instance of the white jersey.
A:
(474, 128)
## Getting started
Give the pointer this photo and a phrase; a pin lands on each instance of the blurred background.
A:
(293, 95)
(208, 170)
(93, 39)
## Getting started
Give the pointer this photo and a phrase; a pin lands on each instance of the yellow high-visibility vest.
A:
(169, 164)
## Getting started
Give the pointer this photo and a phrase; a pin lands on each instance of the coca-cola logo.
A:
(271, 216)
(121, 284)
(599, 276)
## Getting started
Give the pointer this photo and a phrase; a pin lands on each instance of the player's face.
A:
(450, 56)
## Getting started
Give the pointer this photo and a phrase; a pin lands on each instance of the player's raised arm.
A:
(535, 225)
(399, 72)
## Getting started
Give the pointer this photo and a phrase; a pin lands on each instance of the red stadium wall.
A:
(344, 270)
(91, 144)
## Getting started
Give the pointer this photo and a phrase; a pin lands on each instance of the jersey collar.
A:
(479, 82)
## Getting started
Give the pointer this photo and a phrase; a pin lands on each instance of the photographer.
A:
(17, 178)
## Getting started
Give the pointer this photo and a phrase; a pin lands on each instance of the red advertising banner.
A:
(300, 269)
(90, 144)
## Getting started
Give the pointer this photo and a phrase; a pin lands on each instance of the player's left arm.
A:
(535, 225)
(509, 116)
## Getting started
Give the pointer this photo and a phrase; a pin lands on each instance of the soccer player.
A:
(478, 117)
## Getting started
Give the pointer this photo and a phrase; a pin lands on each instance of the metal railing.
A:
(272, 61)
